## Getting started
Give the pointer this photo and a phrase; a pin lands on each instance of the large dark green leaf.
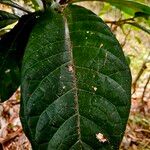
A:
(12, 47)
(75, 83)
(7, 18)
(129, 6)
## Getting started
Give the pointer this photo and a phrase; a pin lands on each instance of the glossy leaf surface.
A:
(12, 47)
(75, 83)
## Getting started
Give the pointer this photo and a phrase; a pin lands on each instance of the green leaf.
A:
(129, 6)
(139, 26)
(140, 14)
(7, 19)
(75, 83)
(12, 47)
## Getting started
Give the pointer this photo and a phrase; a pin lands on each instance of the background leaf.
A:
(7, 18)
(129, 6)
(139, 26)
(75, 84)
(12, 47)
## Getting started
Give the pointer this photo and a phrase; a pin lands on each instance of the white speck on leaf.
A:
(7, 71)
(91, 33)
(101, 45)
(70, 68)
(95, 88)
(101, 137)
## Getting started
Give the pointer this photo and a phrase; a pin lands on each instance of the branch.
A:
(125, 39)
(129, 21)
(145, 87)
(119, 22)
(143, 67)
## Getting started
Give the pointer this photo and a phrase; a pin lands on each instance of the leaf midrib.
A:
(70, 51)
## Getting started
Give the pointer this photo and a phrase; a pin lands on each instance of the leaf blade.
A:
(12, 45)
(63, 106)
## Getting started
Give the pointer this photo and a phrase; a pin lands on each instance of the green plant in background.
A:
(75, 81)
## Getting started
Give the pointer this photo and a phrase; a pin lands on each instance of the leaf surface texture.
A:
(75, 83)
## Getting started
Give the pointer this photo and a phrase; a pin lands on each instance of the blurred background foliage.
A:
(133, 33)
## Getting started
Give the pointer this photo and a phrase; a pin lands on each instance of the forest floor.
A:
(137, 135)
